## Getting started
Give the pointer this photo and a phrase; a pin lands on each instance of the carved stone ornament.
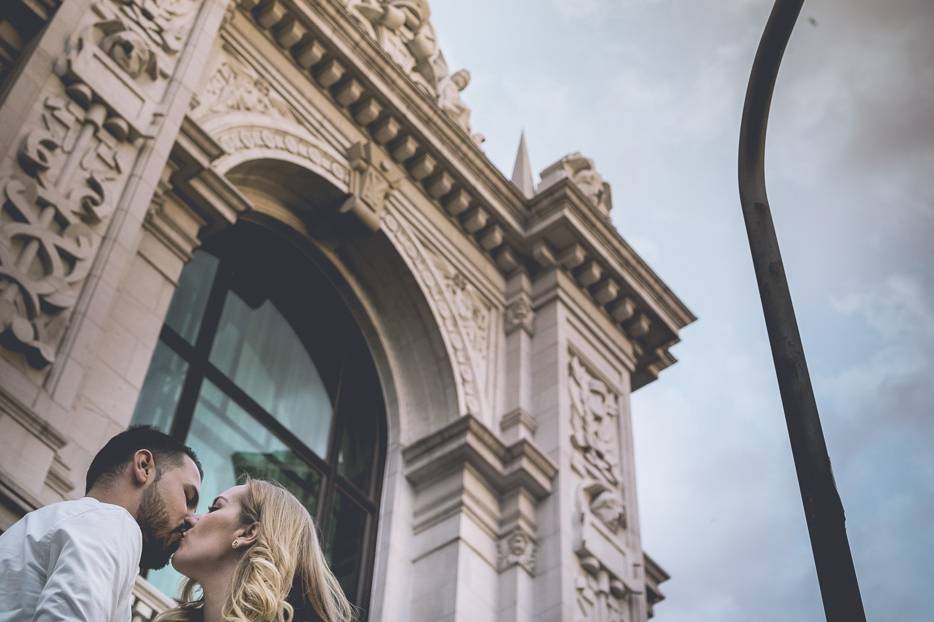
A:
(472, 310)
(235, 87)
(601, 596)
(583, 173)
(455, 335)
(594, 421)
(516, 548)
(603, 503)
(404, 30)
(53, 210)
(165, 22)
(373, 176)
(519, 314)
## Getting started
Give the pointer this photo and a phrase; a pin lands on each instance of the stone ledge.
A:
(468, 442)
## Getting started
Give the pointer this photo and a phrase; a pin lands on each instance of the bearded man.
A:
(78, 559)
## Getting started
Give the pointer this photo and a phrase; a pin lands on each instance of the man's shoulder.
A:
(81, 513)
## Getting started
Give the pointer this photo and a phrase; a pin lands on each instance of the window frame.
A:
(199, 368)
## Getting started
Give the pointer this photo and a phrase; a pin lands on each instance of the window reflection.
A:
(261, 353)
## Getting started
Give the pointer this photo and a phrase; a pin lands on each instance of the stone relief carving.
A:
(604, 503)
(601, 597)
(235, 87)
(473, 312)
(165, 22)
(404, 31)
(52, 209)
(72, 161)
(519, 314)
(374, 176)
(594, 421)
(516, 548)
(244, 138)
(582, 171)
(455, 335)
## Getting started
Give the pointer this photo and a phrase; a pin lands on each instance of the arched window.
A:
(261, 369)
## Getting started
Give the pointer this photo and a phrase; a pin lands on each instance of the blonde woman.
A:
(256, 557)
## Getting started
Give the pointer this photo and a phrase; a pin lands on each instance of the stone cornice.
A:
(559, 226)
(655, 575)
(467, 441)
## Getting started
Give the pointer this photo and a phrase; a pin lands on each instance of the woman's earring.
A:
(236, 543)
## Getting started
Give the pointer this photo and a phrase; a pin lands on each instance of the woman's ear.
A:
(247, 535)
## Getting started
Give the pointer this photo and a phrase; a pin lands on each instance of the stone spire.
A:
(522, 170)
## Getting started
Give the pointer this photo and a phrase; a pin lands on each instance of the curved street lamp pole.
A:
(822, 506)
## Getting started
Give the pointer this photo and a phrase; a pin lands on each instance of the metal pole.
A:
(822, 506)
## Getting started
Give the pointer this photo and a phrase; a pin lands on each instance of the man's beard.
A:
(160, 539)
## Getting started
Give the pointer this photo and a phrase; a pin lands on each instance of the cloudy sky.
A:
(653, 91)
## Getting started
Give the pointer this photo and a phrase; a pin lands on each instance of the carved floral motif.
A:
(51, 212)
(594, 421)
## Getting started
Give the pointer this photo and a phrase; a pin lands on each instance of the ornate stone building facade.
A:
(267, 227)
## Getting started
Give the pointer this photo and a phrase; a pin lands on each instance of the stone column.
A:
(590, 563)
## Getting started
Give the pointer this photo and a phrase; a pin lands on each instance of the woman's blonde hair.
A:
(283, 576)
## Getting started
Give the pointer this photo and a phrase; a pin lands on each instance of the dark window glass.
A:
(191, 295)
(344, 548)
(161, 389)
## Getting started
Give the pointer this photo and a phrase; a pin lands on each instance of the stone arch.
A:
(417, 372)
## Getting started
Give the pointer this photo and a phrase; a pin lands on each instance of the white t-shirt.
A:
(74, 560)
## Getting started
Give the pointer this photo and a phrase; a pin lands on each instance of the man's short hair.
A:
(114, 456)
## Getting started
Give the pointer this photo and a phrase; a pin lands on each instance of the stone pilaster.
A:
(108, 87)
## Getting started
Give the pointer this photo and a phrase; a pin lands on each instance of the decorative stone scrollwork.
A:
(516, 548)
(519, 314)
(372, 178)
(456, 335)
(50, 216)
(594, 421)
(583, 173)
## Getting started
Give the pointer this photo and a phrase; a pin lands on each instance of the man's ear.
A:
(247, 535)
(143, 467)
